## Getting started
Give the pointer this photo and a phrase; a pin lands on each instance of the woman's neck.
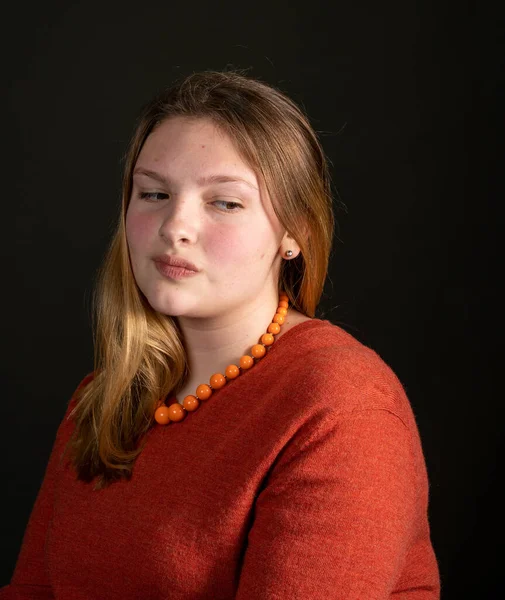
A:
(212, 344)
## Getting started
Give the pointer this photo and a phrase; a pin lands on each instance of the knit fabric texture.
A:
(304, 478)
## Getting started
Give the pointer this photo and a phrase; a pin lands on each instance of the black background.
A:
(407, 98)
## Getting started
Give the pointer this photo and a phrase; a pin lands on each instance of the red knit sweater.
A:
(302, 479)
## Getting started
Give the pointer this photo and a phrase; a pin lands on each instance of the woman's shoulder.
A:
(334, 368)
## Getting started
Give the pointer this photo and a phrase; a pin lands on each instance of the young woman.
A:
(228, 444)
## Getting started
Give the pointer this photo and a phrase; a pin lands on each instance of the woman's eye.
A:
(236, 206)
(149, 196)
(159, 196)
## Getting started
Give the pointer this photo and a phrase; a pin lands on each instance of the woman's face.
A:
(176, 209)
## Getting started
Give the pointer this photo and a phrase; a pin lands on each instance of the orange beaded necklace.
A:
(176, 412)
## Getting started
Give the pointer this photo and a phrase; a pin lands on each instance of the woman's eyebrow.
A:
(202, 181)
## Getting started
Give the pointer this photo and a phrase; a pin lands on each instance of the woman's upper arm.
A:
(30, 579)
(336, 516)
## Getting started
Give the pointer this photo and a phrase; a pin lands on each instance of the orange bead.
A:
(246, 362)
(191, 403)
(283, 298)
(278, 318)
(274, 328)
(161, 415)
(217, 381)
(282, 311)
(232, 371)
(258, 350)
(283, 303)
(267, 339)
(203, 392)
(176, 412)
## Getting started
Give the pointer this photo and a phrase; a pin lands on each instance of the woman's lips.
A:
(173, 272)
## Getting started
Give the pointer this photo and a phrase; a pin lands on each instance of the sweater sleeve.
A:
(337, 515)
(30, 579)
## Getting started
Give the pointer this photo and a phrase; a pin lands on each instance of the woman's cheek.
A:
(228, 246)
(139, 228)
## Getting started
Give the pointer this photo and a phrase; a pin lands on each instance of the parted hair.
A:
(139, 354)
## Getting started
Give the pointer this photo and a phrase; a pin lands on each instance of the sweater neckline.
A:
(298, 330)
(291, 334)
(289, 337)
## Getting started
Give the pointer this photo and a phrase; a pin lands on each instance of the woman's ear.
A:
(290, 245)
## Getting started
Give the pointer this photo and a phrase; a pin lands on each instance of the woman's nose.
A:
(180, 221)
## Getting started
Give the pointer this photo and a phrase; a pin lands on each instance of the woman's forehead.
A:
(182, 143)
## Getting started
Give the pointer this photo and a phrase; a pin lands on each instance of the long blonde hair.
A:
(139, 356)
